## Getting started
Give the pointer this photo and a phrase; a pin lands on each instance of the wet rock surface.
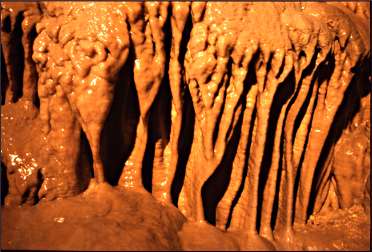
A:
(113, 219)
(102, 218)
(251, 119)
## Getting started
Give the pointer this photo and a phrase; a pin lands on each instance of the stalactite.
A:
(231, 69)
(145, 36)
(19, 20)
(95, 59)
(215, 98)
(162, 183)
(322, 121)
(270, 187)
(224, 206)
(289, 170)
(302, 132)
(242, 56)
(268, 90)
(263, 117)
(239, 213)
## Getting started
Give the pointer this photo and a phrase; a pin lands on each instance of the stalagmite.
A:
(270, 187)
(19, 20)
(251, 118)
(216, 99)
(146, 37)
(323, 118)
(162, 183)
(97, 61)
(330, 96)
(267, 86)
(224, 206)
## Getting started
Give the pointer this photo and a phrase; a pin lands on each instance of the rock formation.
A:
(248, 116)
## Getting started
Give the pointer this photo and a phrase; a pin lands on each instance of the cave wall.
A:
(245, 115)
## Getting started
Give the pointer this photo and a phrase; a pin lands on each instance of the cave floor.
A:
(106, 218)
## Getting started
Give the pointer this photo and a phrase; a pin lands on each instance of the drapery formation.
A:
(235, 112)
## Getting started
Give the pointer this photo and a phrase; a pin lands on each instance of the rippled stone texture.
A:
(251, 118)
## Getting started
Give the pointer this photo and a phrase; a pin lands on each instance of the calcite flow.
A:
(267, 104)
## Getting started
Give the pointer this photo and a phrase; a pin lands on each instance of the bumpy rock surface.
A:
(101, 218)
(249, 118)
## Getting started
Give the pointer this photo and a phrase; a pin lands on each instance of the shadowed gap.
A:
(268, 148)
(282, 94)
(216, 185)
(87, 152)
(7, 24)
(347, 110)
(84, 169)
(185, 40)
(4, 77)
(245, 171)
(324, 72)
(4, 183)
(250, 80)
(17, 57)
(295, 93)
(306, 104)
(300, 116)
(119, 131)
(228, 74)
(40, 180)
(188, 120)
(302, 111)
(31, 37)
(160, 113)
(184, 147)
(291, 81)
(163, 103)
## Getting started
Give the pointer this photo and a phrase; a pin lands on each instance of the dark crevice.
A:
(301, 113)
(31, 37)
(188, 119)
(4, 77)
(217, 184)
(347, 110)
(160, 115)
(7, 24)
(184, 147)
(275, 210)
(281, 69)
(218, 121)
(87, 152)
(245, 171)
(17, 57)
(40, 180)
(119, 131)
(299, 168)
(282, 94)
(4, 183)
(323, 73)
(250, 80)
(185, 40)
